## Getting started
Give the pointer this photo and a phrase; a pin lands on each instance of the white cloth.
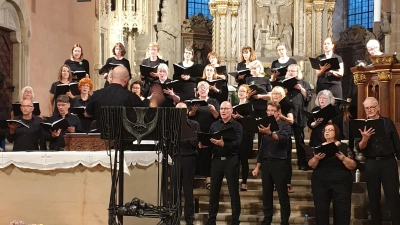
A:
(70, 159)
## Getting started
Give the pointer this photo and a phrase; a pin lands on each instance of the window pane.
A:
(195, 7)
(360, 12)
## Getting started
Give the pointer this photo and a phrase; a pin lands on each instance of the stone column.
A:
(384, 78)
(319, 8)
(309, 27)
(359, 80)
(213, 11)
(331, 8)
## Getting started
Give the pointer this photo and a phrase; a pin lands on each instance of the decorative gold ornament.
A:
(319, 7)
(309, 10)
(382, 59)
(384, 76)
(359, 78)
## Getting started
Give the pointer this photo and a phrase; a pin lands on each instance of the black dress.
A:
(186, 91)
(329, 81)
(259, 105)
(277, 64)
(78, 66)
(147, 81)
(241, 66)
(78, 102)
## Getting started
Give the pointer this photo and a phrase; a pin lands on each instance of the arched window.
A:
(195, 7)
(361, 12)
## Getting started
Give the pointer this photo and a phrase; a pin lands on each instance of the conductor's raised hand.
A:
(366, 134)
(218, 142)
(265, 130)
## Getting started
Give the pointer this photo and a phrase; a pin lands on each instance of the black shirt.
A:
(300, 102)
(168, 101)
(146, 80)
(113, 95)
(77, 102)
(332, 168)
(241, 66)
(269, 148)
(316, 134)
(26, 138)
(382, 147)
(277, 64)
(189, 147)
(262, 82)
(122, 61)
(78, 66)
(204, 116)
(187, 89)
(58, 143)
(229, 148)
(328, 78)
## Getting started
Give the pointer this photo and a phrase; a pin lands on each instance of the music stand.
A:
(167, 126)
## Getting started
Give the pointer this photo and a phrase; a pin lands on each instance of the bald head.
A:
(181, 105)
(120, 75)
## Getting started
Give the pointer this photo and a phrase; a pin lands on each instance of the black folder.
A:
(109, 66)
(221, 70)
(327, 113)
(196, 101)
(59, 124)
(181, 70)
(243, 109)
(79, 74)
(287, 83)
(245, 72)
(79, 111)
(257, 88)
(329, 149)
(340, 101)
(334, 62)
(173, 84)
(250, 125)
(228, 135)
(4, 123)
(377, 124)
(146, 70)
(286, 105)
(62, 89)
(281, 70)
(16, 107)
(219, 82)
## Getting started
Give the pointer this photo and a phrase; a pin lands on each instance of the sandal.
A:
(208, 186)
(243, 189)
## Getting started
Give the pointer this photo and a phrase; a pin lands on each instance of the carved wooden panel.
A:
(84, 142)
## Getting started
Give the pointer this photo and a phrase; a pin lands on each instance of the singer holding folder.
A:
(224, 163)
(380, 164)
(77, 62)
(248, 55)
(283, 61)
(189, 81)
(64, 77)
(332, 180)
(327, 78)
(28, 94)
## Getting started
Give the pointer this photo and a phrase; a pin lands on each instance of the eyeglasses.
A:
(26, 106)
(370, 108)
(225, 109)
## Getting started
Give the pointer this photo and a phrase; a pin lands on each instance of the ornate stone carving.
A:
(168, 29)
(384, 76)
(273, 21)
(197, 24)
(318, 32)
(359, 78)
(309, 29)
(354, 35)
(385, 24)
(331, 8)
(319, 7)
(309, 10)
(287, 35)
(243, 21)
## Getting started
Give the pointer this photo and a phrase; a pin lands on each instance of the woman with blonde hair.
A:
(25, 93)
(77, 62)
(64, 77)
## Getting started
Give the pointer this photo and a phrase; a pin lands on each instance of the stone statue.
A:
(287, 35)
(257, 37)
(385, 24)
(273, 20)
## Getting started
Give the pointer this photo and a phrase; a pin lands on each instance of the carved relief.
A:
(301, 29)
(384, 76)
(383, 59)
(331, 8)
(354, 35)
(309, 30)
(359, 78)
(318, 32)
(197, 24)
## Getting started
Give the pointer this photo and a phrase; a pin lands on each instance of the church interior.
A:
(36, 37)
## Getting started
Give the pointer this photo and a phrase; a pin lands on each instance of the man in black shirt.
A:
(56, 137)
(380, 164)
(187, 159)
(114, 95)
(25, 138)
(225, 162)
(272, 156)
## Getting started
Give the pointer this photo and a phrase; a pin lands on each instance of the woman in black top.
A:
(188, 81)
(170, 98)
(246, 145)
(205, 116)
(64, 77)
(210, 74)
(85, 85)
(137, 88)
(316, 125)
(248, 55)
(152, 61)
(332, 179)
(300, 96)
(330, 79)
(25, 93)
(283, 61)
(77, 62)
(215, 61)
(118, 58)
(259, 101)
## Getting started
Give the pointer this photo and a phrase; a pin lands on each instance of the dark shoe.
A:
(290, 189)
(208, 186)
(304, 168)
(241, 187)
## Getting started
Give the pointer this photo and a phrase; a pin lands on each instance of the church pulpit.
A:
(85, 142)
(382, 81)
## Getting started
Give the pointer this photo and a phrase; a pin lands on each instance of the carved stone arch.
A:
(14, 17)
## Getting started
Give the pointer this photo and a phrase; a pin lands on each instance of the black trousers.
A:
(274, 172)
(246, 146)
(383, 172)
(289, 171)
(298, 133)
(336, 89)
(186, 181)
(230, 169)
(203, 162)
(339, 193)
